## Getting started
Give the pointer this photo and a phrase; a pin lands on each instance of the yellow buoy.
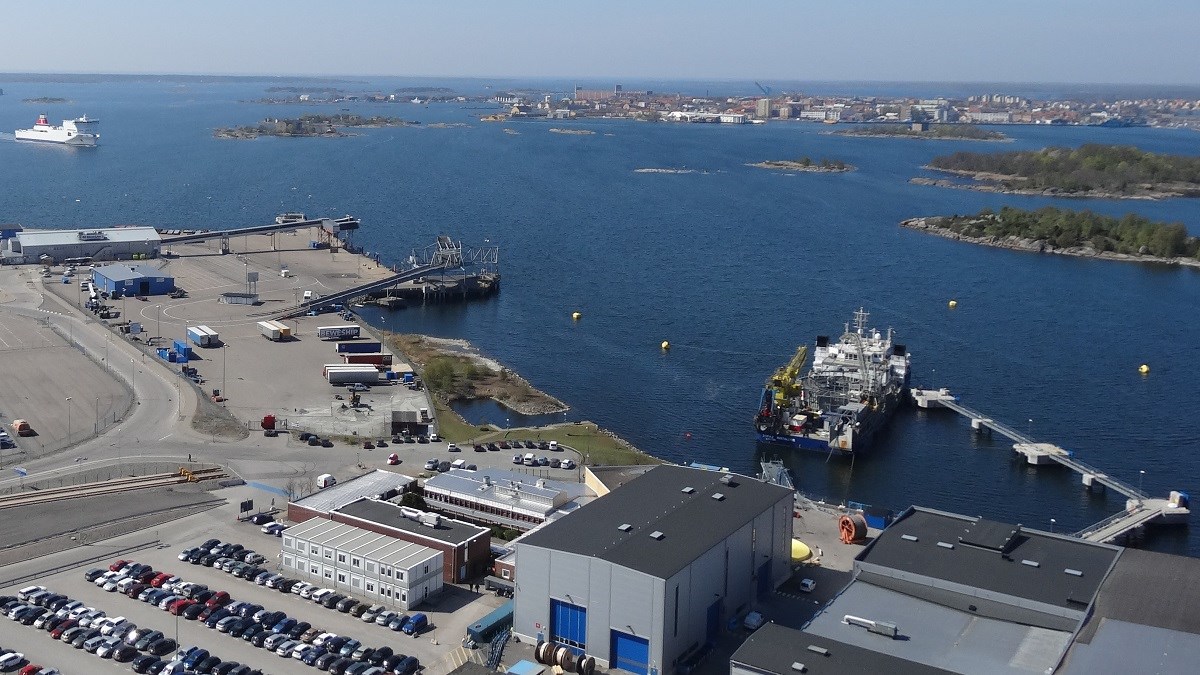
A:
(576, 316)
(953, 304)
(1143, 369)
(665, 345)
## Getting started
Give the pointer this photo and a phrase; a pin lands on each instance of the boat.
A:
(80, 131)
(847, 396)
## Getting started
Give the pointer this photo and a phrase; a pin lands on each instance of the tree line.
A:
(966, 131)
(1113, 168)
(1132, 234)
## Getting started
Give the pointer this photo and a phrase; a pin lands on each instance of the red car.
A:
(219, 599)
(30, 669)
(115, 567)
(63, 627)
(180, 605)
(160, 579)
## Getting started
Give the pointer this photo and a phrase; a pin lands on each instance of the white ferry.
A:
(80, 132)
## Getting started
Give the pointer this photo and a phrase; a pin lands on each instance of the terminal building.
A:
(124, 279)
(649, 574)
(943, 593)
(500, 497)
(370, 501)
(384, 569)
(57, 246)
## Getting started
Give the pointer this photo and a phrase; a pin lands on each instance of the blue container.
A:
(408, 378)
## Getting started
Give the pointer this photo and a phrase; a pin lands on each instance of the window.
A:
(506, 573)
(385, 570)
(370, 586)
(356, 582)
(329, 554)
(288, 561)
(314, 569)
(289, 542)
(403, 596)
(427, 569)
(328, 573)
(370, 567)
(341, 577)
(400, 575)
(342, 558)
(356, 562)
(300, 546)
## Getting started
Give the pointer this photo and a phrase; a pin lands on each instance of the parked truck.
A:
(203, 336)
(273, 330)
(338, 332)
(341, 377)
(358, 347)
(22, 428)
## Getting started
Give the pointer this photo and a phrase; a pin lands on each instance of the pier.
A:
(1140, 509)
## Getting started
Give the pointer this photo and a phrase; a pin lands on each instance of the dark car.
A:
(422, 438)
(142, 663)
(325, 660)
(207, 664)
(299, 629)
(248, 610)
(87, 634)
(345, 605)
(349, 647)
(240, 626)
(262, 518)
(389, 664)
(225, 667)
(216, 616)
(286, 585)
(339, 666)
(314, 440)
(148, 639)
(284, 625)
(253, 630)
(407, 666)
(162, 646)
(357, 668)
(377, 657)
(124, 653)
(94, 574)
(260, 637)
(333, 599)
(492, 447)
(334, 645)
(397, 624)
(271, 618)
(193, 612)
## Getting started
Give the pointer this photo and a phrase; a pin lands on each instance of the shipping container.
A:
(203, 336)
(358, 347)
(269, 330)
(337, 332)
(375, 359)
(285, 331)
(338, 377)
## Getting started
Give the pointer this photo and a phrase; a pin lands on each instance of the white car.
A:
(299, 588)
(17, 609)
(11, 660)
(107, 647)
(321, 639)
(568, 464)
(807, 585)
(24, 593)
(183, 555)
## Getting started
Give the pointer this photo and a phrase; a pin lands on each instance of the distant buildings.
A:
(114, 243)
(762, 109)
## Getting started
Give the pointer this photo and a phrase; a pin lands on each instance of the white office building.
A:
(354, 561)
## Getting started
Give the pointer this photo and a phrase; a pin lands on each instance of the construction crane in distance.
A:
(765, 90)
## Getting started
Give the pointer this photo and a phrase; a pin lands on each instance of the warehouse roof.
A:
(370, 484)
(363, 543)
(1122, 647)
(1154, 589)
(776, 649)
(92, 236)
(661, 521)
(129, 272)
(1007, 559)
(513, 489)
(390, 515)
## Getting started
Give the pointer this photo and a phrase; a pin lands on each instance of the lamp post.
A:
(1141, 475)
(224, 394)
(68, 420)
(158, 330)
(96, 423)
(133, 377)
(1052, 523)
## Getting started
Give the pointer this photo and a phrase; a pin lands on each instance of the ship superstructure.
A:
(849, 393)
(78, 132)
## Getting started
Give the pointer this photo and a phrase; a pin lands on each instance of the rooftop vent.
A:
(798, 667)
(818, 650)
(991, 535)
(718, 496)
(1031, 563)
(624, 527)
(1074, 573)
(657, 536)
(945, 545)
(688, 490)
(728, 479)
(908, 537)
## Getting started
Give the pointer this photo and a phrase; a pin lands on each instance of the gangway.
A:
(1140, 508)
(344, 297)
(337, 225)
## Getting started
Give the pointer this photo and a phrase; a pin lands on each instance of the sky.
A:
(1094, 41)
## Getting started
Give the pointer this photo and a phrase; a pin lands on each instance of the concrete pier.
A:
(1140, 509)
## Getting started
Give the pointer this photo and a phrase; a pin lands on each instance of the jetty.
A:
(1140, 508)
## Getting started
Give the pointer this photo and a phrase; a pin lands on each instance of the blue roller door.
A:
(630, 653)
(568, 625)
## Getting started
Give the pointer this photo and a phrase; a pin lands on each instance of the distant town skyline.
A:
(1068, 41)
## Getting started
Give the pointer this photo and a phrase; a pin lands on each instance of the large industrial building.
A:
(57, 246)
(124, 279)
(370, 502)
(500, 497)
(943, 593)
(649, 574)
(384, 569)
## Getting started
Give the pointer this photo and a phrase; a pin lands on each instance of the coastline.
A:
(850, 133)
(1026, 245)
(792, 165)
(997, 188)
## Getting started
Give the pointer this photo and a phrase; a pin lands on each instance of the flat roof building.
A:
(500, 497)
(123, 279)
(114, 243)
(643, 577)
(378, 483)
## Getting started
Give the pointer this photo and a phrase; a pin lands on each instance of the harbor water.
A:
(734, 265)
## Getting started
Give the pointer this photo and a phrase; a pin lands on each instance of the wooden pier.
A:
(1140, 509)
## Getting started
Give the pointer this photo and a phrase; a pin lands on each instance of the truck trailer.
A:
(358, 347)
(338, 332)
(374, 359)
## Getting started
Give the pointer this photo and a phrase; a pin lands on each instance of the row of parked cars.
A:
(93, 631)
(291, 637)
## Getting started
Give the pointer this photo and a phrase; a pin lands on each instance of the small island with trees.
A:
(1077, 233)
(1093, 170)
(937, 132)
(805, 164)
(310, 126)
(46, 100)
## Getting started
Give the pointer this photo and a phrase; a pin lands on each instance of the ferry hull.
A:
(74, 141)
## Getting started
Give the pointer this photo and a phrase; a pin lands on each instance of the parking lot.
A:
(449, 615)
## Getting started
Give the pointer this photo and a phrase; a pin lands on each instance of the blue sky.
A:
(1126, 41)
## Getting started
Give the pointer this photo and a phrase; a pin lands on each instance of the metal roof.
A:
(1054, 569)
(510, 489)
(68, 237)
(363, 543)
(774, 649)
(367, 485)
(1121, 647)
(1154, 589)
(390, 515)
(620, 526)
(129, 272)
(938, 636)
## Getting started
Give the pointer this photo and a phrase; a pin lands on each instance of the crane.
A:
(765, 90)
(785, 381)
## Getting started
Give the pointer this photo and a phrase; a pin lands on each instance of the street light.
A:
(133, 377)
(224, 394)
(1141, 475)
(68, 420)
(158, 332)
(1052, 522)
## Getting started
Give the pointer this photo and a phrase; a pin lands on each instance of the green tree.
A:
(439, 374)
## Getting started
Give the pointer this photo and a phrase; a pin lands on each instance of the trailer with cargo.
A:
(358, 347)
(338, 332)
(339, 377)
(270, 331)
(330, 367)
(203, 336)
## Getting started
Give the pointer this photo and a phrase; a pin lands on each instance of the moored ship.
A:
(848, 395)
(79, 132)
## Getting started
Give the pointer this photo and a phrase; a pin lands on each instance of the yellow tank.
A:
(800, 551)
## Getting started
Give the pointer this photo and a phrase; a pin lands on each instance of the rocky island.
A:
(46, 100)
(310, 126)
(1092, 171)
(942, 132)
(805, 164)
(1084, 234)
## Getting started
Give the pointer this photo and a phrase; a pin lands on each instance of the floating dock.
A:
(1140, 509)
